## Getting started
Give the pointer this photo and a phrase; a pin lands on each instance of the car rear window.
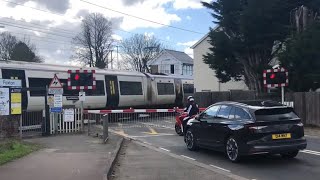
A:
(276, 114)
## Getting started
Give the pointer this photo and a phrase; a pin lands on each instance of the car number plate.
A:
(281, 136)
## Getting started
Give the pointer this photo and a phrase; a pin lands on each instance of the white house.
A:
(204, 77)
(172, 62)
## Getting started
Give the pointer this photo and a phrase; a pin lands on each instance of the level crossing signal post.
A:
(81, 80)
(273, 78)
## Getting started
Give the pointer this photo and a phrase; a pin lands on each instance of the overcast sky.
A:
(51, 24)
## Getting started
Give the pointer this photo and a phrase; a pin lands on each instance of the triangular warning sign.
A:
(55, 83)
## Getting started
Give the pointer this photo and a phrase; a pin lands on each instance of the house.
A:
(172, 62)
(204, 77)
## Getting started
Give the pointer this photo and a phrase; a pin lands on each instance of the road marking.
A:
(147, 143)
(162, 134)
(311, 152)
(152, 131)
(165, 149)
(158, 125)
(188, 157)
(220, 168)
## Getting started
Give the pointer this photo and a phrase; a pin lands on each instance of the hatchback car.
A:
(247, 128)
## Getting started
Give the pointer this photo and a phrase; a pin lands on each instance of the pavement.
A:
(163, 138)
(65, 157)
(137, 161)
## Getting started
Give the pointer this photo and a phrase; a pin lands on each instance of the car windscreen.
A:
(275, 114)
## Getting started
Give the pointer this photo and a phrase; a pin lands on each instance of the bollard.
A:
(105, 128)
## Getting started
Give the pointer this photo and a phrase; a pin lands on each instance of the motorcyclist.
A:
(192, 109)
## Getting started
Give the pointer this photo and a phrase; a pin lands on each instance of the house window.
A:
(172, 68)
(187, 69)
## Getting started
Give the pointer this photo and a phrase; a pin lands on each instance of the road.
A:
(305, 166)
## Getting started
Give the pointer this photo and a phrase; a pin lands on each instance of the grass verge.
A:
(13, 149)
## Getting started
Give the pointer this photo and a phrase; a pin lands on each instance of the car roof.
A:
(254, 104)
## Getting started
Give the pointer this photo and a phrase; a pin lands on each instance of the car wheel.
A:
(290, 155)
(178, 129)
(190, 140)
(232, 149)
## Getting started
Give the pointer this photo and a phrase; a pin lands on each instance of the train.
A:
(115, 89)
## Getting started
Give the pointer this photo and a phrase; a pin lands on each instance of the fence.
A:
(60, 124)
(307, 106)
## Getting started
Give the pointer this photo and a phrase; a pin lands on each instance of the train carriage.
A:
(114, 88)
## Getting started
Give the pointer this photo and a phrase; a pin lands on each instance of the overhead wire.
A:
(130, 15)
(59, 14)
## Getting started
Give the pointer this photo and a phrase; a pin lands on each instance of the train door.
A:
(179, 95)
(17, 74)
(112, 91)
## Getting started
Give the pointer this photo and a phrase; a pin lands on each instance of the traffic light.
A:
(276, 77)
(81, 79)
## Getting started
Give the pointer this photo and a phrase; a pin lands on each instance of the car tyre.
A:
(232, 149)
(190, 141)
(290, 155)
(178, 129)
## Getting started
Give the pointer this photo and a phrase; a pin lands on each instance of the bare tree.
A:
(138, 50)
(12, 48)
(7, 43)
(94, 42)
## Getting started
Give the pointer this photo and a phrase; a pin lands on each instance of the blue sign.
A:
(56, 109)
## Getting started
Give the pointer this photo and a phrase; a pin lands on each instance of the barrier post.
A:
(105, 128)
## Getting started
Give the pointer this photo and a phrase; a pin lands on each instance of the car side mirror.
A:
(197, 117)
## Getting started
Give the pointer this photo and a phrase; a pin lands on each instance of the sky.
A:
(51, 24)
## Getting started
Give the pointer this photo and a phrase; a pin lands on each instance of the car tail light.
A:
(254, 128)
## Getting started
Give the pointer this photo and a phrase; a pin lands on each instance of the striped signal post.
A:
(276, 78)
(81, 80)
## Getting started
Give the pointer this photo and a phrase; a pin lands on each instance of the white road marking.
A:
(188, 157)
(220, 168)
(311, 152)
(147, 143)
(153, 135)
(165, 149)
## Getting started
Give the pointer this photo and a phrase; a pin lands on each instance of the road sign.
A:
(56, 109)
(68, 115)
(16, 103)
(10, 83)
(57, 100)
(4, 101)
(55, 83)
(72, 98)
(82, 96)
(50, 101)
(55, 91)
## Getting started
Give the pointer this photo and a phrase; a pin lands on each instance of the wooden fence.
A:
(307, 106)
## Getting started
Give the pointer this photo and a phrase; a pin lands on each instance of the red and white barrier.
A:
(135, 111)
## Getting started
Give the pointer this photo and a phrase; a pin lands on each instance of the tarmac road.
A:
(305, 166)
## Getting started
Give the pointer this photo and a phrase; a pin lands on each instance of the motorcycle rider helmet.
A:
(189, 97)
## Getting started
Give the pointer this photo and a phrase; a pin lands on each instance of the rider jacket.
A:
(192, 109)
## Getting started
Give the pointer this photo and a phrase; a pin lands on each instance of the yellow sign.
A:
(15, 97)
(15, 108)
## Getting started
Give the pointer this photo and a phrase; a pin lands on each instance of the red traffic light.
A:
(272, 76)
(76, 77)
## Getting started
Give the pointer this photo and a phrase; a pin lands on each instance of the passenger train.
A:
(114, 88)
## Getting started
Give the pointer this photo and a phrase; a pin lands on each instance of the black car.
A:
(240, 129)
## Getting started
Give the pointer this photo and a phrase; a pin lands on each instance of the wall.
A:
(204, 77)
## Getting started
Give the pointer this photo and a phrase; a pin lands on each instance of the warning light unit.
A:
(81, 79)
(275, 78)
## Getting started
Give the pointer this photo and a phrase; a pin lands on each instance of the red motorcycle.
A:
(179, 119)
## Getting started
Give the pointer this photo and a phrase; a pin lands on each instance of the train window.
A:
(165, 88)
(38, 82)
(188, 88)
(130, 88)
(43, 82)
